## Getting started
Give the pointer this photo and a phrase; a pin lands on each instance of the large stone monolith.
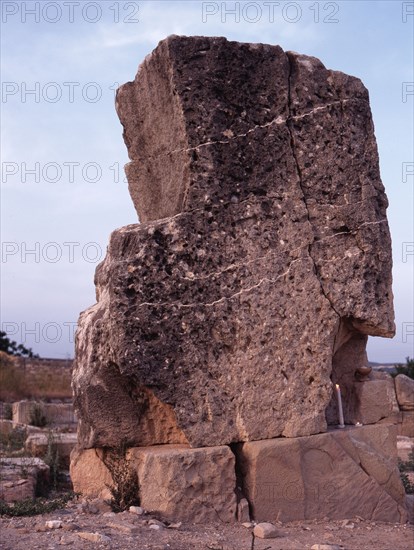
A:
(262, 261)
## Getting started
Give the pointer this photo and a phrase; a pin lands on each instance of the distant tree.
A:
(407, 369)
(12, 348)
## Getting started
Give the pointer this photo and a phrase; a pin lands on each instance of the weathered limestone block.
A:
(54, 413)
(263, 260)
(23, 411)
(339, 474)
(375, 400)
(22, 478)
(407, 425)
(175, 481)
(187, 484)
(89, 474)
(404, 387)
(38, 444)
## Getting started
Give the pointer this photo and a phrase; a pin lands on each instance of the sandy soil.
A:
(129, 531)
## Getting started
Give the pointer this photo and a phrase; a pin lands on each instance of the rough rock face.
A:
(262, 260)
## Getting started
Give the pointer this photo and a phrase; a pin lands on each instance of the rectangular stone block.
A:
(88, 473)
(38, 445)
(187, 484)
(339, 474)
(375, 400)
(54, 413)
(22, 412)
(407, 425)
(176, 482)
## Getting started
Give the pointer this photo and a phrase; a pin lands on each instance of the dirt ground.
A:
(128, 531)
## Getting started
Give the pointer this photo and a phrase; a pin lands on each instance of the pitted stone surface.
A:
(263, 261)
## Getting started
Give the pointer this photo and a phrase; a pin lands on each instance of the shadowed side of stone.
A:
(221, 317)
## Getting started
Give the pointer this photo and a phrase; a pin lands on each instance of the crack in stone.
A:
(299, 173)
(278, 254)
(288, 121)
(235, 266)
(279, 120)
(223, 298)
(354, 232)
(259, 259)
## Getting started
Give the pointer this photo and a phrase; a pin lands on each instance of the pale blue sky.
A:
(69, 61)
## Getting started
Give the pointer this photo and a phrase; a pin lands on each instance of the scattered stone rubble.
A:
(78, 528)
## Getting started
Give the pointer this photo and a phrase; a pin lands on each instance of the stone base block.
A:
(88, 473)
(175, 481)
(338, 475)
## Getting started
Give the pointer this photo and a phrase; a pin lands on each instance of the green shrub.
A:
(404, 467)
(7, 411)
(34, 507)
(37, 416)
(51, 458)
(125, 488)
(13, 441)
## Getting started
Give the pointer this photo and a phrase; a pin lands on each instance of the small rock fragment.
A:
(243, 513)
(137, 510)
(175, 525)
(247, 524)
(53, 524)
(65, 541)
(94, 537)
(155, 527)
(70, 527)
(156, 522)
(124, 527)
(265, 530)
(92, 509)
(325, 547)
